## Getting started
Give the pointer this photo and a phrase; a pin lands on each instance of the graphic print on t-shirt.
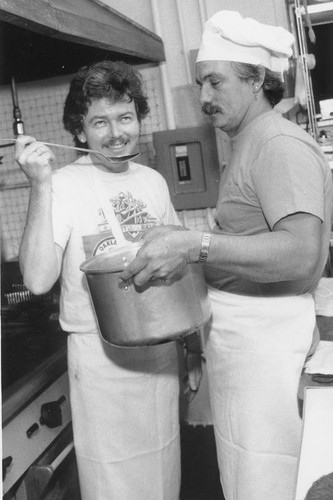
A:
(102, 241)
(132, 215)
(94, 244)
(133, 219)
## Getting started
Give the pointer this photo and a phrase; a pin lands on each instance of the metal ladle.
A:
(112, 159)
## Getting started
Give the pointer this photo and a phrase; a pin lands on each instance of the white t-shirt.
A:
(94, 212)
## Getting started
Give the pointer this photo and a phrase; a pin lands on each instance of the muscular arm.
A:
(40, 258)
(290, 252)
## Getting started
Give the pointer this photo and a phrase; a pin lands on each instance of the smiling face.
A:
(224, 96)
(111, 128)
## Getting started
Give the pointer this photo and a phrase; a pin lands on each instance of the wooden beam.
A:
(90, 23)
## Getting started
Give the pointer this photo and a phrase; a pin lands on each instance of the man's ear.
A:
(82, 137)
(259, 80)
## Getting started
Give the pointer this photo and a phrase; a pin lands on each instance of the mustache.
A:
(113, 142)
(209, 109)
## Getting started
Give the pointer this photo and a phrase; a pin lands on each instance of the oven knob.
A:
(5, 464)
(51, 415)
(34, 428)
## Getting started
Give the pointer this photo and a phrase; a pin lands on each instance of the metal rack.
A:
(300, 10)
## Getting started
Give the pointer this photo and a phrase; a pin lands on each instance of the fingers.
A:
(43, 153)
(193, 366)
(194, 378)
(34, 158)
(162, 257)
(21, 144)
(28, 147)
(193, 374)
(142, 271)
(144, 267)
(188, 393)
(137, 269)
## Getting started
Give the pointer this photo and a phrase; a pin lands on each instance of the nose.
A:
(205, 94)
(114, 129)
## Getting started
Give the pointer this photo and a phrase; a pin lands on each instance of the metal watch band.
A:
(205, 244)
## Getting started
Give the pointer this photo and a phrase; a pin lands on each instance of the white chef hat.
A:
(228, 36)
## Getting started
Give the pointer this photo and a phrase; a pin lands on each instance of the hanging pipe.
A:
(168, 103)
(203, 13)
(184, 44)
(313, 129)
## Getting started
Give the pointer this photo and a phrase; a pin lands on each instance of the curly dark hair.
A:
(114, 80)
(273, 86)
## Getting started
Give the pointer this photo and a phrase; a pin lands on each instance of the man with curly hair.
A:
(124, 402)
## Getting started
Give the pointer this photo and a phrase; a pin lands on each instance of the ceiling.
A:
(46, 38)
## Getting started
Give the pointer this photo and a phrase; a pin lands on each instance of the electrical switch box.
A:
(187, 158)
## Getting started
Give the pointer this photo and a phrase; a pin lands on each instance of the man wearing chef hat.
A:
(263, 258)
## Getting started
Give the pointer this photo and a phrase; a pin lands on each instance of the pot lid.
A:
(112, 261)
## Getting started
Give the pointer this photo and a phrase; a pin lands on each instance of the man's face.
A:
(223, 96)
(111, 128)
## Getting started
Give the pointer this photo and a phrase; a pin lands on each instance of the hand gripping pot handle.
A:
(132, 316)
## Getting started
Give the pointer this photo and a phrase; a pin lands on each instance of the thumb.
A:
(194, 371)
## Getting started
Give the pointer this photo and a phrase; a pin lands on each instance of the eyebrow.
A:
(97, 116)
(104, 116)
(210, 75)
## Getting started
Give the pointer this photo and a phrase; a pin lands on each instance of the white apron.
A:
(125, 419)
(255, 351)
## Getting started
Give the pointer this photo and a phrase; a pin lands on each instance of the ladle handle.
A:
(116, 159)
(75, 148)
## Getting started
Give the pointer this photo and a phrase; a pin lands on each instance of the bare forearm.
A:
(265, 258)
(290, 252)
(38, 258)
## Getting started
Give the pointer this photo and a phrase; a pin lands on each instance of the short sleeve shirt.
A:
(276, 170)
(94, 212)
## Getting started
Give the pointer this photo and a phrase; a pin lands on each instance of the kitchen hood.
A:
(46, 38)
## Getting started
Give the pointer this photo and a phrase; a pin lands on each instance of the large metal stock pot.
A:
(131, 316)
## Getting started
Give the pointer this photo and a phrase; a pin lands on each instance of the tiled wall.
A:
(41, 104)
